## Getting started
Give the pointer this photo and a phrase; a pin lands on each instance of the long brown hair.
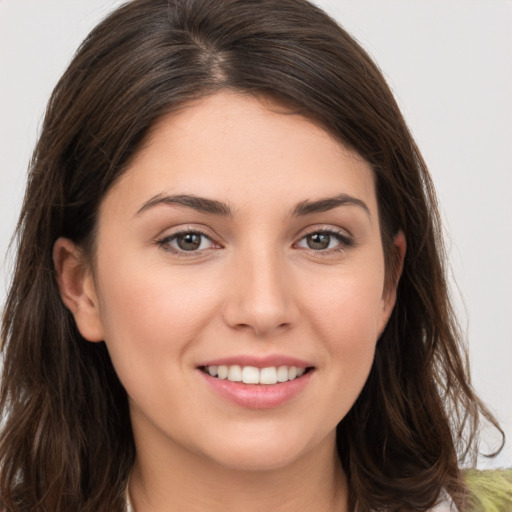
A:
(66, 442)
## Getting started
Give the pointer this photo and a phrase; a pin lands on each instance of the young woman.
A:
(229, 291)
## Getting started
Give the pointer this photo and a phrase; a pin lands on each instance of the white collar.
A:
(129, 506)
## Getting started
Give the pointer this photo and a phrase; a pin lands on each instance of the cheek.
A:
(150, 322)
(348, 317)
(351, 308)
(350, 334)
(149, 313)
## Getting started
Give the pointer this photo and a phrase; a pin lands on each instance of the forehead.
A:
(244, 150)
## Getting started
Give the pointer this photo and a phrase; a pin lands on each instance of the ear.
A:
(77, 289)
(389, 295)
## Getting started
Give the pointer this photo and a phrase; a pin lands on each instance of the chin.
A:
(255, 460)
(265, 452)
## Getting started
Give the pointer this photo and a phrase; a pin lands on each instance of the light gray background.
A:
(449, 63)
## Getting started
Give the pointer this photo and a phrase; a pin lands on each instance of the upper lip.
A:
(258, 361)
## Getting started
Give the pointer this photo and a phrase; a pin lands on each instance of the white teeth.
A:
(253, 375)
(250, 375)
(282, 374)
(268, 375)
(235, 373)
(222, 372)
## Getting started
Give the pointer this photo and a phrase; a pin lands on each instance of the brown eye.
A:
(326, 241)
(189, 241)
(318, 241)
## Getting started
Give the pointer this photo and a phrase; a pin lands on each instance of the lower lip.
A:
(258, 396)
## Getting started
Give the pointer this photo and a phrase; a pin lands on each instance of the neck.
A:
(181, 480)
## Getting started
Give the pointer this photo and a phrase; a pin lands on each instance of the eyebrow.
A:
(202, 204)
(329, 203)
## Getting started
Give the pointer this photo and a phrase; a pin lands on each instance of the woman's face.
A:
(246, 242)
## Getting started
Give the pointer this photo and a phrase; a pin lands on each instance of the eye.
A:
(187, 241)
(325, 240)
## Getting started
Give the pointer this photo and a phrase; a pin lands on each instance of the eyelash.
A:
(344, 242)
(164, 242)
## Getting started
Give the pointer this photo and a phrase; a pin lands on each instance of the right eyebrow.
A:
(201, 204)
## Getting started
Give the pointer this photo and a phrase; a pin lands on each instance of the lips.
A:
(257, 382)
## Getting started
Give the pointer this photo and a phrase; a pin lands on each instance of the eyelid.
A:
(346, 239)
(324, 228)
(164, 241)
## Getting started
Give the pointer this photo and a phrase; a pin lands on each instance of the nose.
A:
(260, 295)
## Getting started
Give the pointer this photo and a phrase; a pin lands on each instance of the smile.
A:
(256, 383)
(253, 375)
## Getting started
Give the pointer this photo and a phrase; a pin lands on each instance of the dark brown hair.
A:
(66, 442)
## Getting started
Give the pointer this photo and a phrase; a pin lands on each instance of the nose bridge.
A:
(261, 296)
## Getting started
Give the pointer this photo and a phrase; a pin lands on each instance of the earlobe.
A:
(77, 289)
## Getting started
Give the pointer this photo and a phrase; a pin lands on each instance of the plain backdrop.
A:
(449, 63)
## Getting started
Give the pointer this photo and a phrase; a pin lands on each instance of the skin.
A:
(254, 286)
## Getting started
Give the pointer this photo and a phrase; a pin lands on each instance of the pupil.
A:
(318, 241)
(189, 241)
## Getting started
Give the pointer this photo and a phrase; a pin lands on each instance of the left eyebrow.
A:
(329, 203)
